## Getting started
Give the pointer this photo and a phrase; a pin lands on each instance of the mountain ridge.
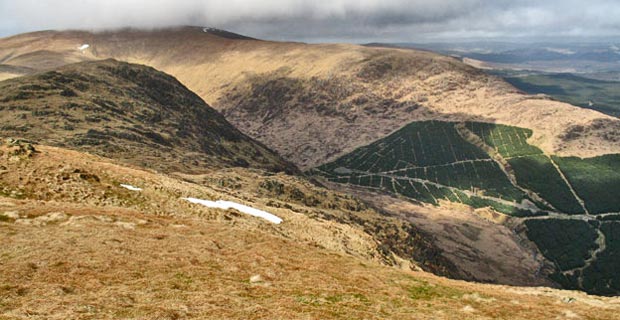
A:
(366, 92)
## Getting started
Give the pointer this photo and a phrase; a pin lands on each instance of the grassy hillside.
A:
(559, 199)
(315, 104)
(127, 112)
(110, 108)
(87, 248)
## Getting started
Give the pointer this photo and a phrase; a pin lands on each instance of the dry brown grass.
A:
(76, 247)
(104, 263)
(315, 215)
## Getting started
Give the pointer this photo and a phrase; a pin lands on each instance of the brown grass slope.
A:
(312, 103)
(128, 112)
(361, 231)
(77, 246)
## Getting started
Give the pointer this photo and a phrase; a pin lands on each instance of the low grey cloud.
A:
(327, 20)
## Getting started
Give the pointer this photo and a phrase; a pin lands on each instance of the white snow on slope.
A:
(84, 47)
(221, 204)
(561, 51)
(130, 187)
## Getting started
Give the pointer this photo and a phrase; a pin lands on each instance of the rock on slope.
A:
(127, 112)
(312, 103)
(77, 245)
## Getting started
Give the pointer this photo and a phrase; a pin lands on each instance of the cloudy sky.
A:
(329, 20)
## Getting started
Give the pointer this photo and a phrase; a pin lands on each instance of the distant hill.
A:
(129, 112)
(584, 74)
(582, 56)
(603, 96)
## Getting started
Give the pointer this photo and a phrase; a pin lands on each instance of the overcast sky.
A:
(329, 20)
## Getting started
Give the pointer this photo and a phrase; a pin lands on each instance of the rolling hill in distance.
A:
(376, 159)
(600, 95)
(595, 57)
(584, 74)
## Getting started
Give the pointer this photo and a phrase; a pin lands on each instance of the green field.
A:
(433, 154)
(419, 144)
(432, 160)
(602, 277)
(441, 164)
(533, 170)
(564, 242)
(596, 181)
(508, 141)
(538, 174)
(427, 161)
(603, 96)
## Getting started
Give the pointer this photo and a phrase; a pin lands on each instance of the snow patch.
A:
(210, 29)
(130, 187)
(225, 205)
(561, 51)
(84, 47)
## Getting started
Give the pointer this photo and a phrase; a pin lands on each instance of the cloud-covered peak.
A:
(327, 20)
